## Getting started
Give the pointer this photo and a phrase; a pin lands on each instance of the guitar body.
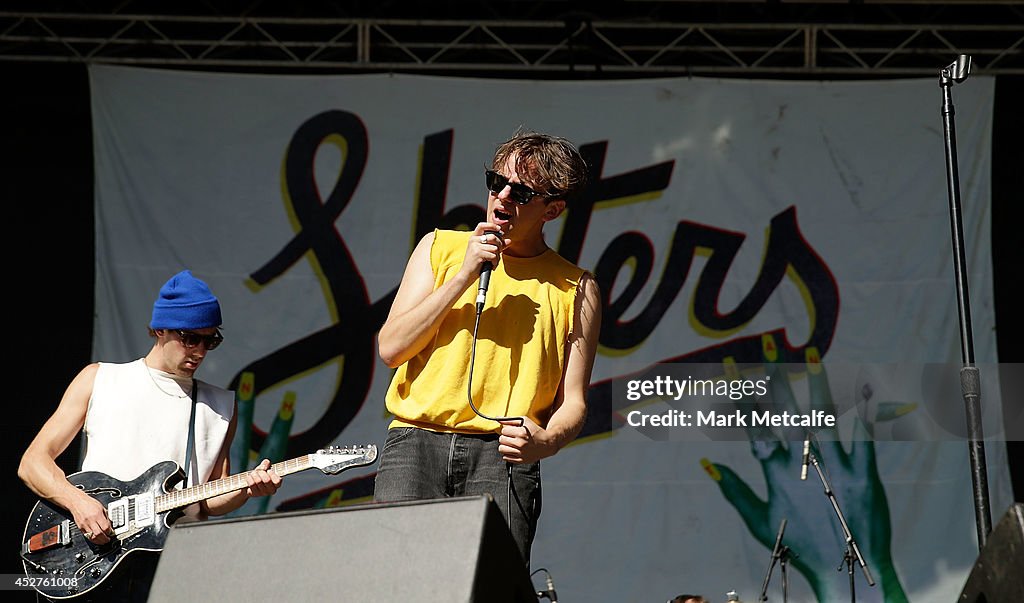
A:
(74, 565)
(61, 564)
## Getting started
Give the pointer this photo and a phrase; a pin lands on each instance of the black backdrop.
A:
(47, 185)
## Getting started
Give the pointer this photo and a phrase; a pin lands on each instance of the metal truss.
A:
(572, 45)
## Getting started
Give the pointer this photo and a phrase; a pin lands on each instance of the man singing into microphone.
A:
(533, 352)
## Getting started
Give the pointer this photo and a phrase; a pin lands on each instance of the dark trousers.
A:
(417, 464)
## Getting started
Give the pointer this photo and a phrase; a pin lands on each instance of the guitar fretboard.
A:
(183, 498)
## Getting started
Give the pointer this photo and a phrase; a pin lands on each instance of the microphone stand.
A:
(852, 550)
(970, 382)
(780, 553)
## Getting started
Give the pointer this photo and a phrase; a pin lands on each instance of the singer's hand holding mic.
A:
(488, 245)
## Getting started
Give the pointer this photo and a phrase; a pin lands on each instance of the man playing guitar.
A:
(141, 413)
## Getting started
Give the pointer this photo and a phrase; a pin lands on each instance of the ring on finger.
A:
(88, 535)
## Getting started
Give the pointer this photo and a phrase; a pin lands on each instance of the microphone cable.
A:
(469, 388)
(548, 594)
(469, 395)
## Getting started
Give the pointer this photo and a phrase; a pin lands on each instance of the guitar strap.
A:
(191, 433)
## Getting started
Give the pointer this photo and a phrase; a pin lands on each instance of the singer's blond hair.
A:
(548, 164)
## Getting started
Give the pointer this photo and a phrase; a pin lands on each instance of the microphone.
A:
(485, 278)
(550, 592)
(807, 456)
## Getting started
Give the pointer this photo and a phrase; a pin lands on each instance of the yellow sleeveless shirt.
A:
(520, 351)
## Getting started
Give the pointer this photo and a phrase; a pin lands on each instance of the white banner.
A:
(726, 219)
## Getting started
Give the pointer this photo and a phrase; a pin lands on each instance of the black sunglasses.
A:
(521, 193)
(191, 340)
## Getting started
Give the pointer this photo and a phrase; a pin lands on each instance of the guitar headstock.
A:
(335, 459)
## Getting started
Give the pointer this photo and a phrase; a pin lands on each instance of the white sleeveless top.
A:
(139, 417)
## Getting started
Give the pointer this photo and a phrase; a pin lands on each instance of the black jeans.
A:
(417, 464)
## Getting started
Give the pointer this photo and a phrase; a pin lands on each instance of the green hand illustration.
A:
(813, 532)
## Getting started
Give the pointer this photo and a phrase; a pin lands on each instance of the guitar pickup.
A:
(145, 510)
(58, 535)
(131, 513)
(117, 512)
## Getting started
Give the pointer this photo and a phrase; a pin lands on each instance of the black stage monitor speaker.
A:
(455, 549)
(998, 574)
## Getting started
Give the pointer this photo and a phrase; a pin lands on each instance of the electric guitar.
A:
(60, 563)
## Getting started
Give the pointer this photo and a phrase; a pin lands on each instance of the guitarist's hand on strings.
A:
(263, 481)
(525, 443)
(91, 519)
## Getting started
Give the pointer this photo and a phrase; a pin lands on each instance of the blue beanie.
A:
(185, 302)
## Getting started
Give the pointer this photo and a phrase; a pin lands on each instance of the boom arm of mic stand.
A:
(850, 542)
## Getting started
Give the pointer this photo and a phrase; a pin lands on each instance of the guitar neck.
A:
(183, 498)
